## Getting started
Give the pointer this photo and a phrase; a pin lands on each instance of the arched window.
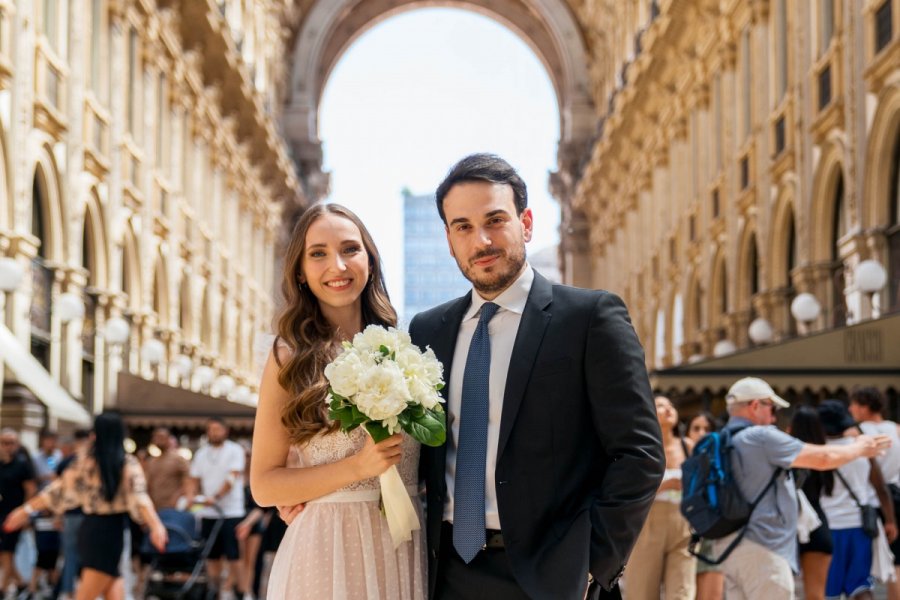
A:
(790, 258)
(838, 230)
(42, 276)
(88, 327)
(893, 232)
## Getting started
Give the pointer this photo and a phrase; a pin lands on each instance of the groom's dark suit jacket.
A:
(580, 453)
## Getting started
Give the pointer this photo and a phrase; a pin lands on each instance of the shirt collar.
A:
(512, 299)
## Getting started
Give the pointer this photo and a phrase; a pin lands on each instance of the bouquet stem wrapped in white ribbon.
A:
(386, 384)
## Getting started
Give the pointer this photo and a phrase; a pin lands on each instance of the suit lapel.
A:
(528, 341)
(444, 346)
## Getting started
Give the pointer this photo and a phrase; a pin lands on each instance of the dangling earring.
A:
(300, 285)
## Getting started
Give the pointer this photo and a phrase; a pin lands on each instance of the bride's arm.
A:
(272, 483)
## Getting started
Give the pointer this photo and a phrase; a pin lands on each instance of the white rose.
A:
(372, 338)
(382, 391)
(343, 373)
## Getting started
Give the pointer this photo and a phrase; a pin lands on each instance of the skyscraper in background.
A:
(431, 275)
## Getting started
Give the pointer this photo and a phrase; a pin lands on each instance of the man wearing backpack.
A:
(763, 563)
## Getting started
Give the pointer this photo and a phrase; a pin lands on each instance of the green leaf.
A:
(385, 351)
(439, 387)
(378, 431)
(428, 429)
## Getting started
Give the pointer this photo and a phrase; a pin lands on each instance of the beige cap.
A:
(753, 388)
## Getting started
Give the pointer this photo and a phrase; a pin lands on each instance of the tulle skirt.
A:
(339, 547)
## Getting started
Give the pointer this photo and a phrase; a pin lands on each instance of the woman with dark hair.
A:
(701, 424)
(108, 484)
(815, 554)
(710, 579)
(339, 546)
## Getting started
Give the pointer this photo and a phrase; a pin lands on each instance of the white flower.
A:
(382, 391)
(373, 337)
(343, 372)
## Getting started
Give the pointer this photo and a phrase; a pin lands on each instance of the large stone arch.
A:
(329, 27)
(884, 134)
(693, 310)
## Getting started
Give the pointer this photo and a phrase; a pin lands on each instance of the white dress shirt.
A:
(502, 328)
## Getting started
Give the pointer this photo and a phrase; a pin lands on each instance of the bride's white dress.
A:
(339, 547)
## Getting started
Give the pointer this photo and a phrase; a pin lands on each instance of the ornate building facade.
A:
(142, 171)
(748, 151)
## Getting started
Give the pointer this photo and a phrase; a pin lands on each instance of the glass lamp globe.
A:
(805, 307)
(116, 331)
(724, 347)
(205, 375)
(153, 351)
(870, 276)
(11, 274)
(183, 365)
(69, 307)
(760, 331)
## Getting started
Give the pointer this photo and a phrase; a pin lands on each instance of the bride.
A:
(339, 546)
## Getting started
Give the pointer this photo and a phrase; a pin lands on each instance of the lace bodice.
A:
(332, 447)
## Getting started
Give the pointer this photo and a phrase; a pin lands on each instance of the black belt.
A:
(493, 537)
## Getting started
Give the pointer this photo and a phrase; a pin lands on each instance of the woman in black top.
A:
(815, 555)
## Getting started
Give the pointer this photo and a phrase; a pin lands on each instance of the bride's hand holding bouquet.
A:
(384, 383)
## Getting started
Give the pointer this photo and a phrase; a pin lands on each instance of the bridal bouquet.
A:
(384, 383)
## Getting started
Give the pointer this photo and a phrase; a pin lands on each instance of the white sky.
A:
(418, 92)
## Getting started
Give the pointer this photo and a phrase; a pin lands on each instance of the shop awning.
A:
(146, 403)
(29, 372)
(863, 354)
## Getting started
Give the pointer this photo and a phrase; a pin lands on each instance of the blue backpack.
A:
(711, 501)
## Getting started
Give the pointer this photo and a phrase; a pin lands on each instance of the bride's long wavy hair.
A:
(302, 326)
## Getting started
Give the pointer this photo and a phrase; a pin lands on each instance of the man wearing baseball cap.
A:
(764, 563)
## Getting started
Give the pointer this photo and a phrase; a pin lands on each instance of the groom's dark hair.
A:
(483, 167)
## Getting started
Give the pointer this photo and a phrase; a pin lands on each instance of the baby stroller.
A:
(179, 573)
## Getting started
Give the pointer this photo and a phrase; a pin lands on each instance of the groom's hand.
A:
(289, 513)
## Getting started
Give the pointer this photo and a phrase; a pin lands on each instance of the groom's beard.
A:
(498, 276)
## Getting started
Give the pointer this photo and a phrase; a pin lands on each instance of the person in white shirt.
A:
(866, 406)
(217, 473)
(851, 560)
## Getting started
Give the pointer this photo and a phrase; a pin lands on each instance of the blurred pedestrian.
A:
(660, 557)
(217, 472)
(73, 516)
(815, 553)
(249, 535)
(167, 472)
(18, 483)
(867, 409)
(108, 484)
(763, 564)
(851, 559)
(710, 580)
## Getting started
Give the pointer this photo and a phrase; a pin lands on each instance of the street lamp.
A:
(870, 277)
(11, 274)
(222, 386)
(805, 308)
(69, 307)
(183, 365)
(116, 331)
(760, 331)
(153, 351)
(724, 347)
(241, 394)
(204, 375)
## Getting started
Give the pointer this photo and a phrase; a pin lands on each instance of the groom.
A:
(554, 452)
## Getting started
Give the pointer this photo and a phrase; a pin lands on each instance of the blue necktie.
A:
(471, 452)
